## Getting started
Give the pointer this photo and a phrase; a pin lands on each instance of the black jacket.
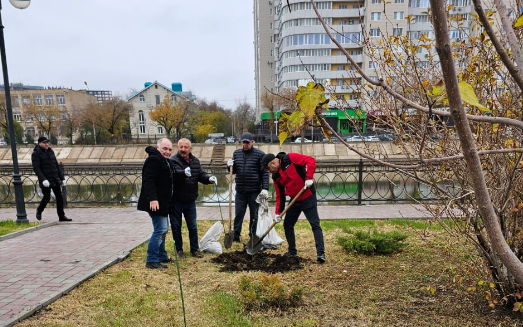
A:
(157, 183)
(186, 188)
(46, 166)
(250, 177)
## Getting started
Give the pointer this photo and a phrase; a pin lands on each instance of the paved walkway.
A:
(39, 265)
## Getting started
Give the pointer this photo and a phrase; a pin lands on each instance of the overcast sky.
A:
(207, 45)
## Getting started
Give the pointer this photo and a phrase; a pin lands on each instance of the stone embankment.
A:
(135, 154)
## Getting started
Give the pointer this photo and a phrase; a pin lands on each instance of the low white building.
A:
(144, 101)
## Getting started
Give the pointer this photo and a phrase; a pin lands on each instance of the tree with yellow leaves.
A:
(462, 110)
(171, 115)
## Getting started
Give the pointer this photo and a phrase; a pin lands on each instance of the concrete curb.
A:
(27, 230)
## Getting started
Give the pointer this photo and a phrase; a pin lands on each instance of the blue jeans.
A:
(241, 200)
(310, 209)
(156, 249)
(188, 209)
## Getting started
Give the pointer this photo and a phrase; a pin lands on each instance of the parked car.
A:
(231, 139)
(355, 138)
(371, 138)
(209, 141)
(2, 142)
(305, 140)
(386, 137)
(333, 139)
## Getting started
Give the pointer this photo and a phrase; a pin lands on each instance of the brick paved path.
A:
(38, 266)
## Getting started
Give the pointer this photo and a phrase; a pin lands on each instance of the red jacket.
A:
(294, 169)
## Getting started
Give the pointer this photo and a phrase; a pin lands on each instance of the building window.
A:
(342, 6)
(37, 98)
(26, 99)
(29, 118)
(157, 97)
(398, 15)
(17, 116)
(49, 101)
(142, 98)
(375, 2)
(141, 122)
(375, 15)
(270, 25)
(399, 1)
(173, 98)
(372, 64)
(375, 32)
(16, 102)
(419, 3)
(30, 131)
(60, 99)
(397, 31)
(454, 34)
(341, 67)
(160, 130)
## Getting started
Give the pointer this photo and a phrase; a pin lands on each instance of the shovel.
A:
(229, 236)
(255, 243)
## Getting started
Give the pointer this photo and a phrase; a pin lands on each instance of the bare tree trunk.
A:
(483, 201)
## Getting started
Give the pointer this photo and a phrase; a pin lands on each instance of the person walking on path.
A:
(155, 199)
(50, 177)
(188, 173)
(291, 173)
(251, 180)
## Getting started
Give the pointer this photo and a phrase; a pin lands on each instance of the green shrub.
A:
(373, 243)
(268, 292)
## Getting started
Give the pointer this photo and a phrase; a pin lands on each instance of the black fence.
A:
(351, 183)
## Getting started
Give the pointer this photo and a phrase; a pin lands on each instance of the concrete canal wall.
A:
(135, 154)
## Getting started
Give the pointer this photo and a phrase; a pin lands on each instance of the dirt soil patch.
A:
(261, 261)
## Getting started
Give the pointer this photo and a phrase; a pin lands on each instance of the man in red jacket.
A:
(291, 173)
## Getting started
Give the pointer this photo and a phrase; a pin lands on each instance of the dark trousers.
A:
(57, 190)
(310, 209)
(241, 201)
(188, 209)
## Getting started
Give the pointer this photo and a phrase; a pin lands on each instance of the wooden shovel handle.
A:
(281, 214)
(230, 196)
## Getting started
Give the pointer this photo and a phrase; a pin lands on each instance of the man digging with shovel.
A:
(291, 174)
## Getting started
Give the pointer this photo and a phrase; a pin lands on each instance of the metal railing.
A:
(340, 183)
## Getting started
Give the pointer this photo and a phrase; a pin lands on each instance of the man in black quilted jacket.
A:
(50, 177)
(251, 180)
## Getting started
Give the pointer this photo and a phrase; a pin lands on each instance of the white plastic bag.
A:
(272, 240)
(210, 242)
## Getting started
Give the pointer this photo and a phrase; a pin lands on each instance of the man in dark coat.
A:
(155, 198)
(187, 174)
(291, 173)
(50, 177)
(251, 181)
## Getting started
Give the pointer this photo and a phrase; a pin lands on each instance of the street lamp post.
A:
(21, 215)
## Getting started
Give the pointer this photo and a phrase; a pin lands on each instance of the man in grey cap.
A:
(251, 180)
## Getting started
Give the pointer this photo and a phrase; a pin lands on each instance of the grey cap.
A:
(247, 137)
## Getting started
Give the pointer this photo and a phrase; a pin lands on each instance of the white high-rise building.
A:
(291, 44)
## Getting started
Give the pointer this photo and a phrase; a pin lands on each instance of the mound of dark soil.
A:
(261, 261)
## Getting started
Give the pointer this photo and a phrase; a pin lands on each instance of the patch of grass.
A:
(328, 225)
(11, 226)
(348, 290)
(267, 291)
(226, 310)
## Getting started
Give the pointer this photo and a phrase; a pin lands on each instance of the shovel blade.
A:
(228, 239)
(254, 245)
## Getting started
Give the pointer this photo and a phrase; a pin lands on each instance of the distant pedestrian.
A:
(291, 173)
(251, 180)
(155, 198)
(188, 173)
(50, 177)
